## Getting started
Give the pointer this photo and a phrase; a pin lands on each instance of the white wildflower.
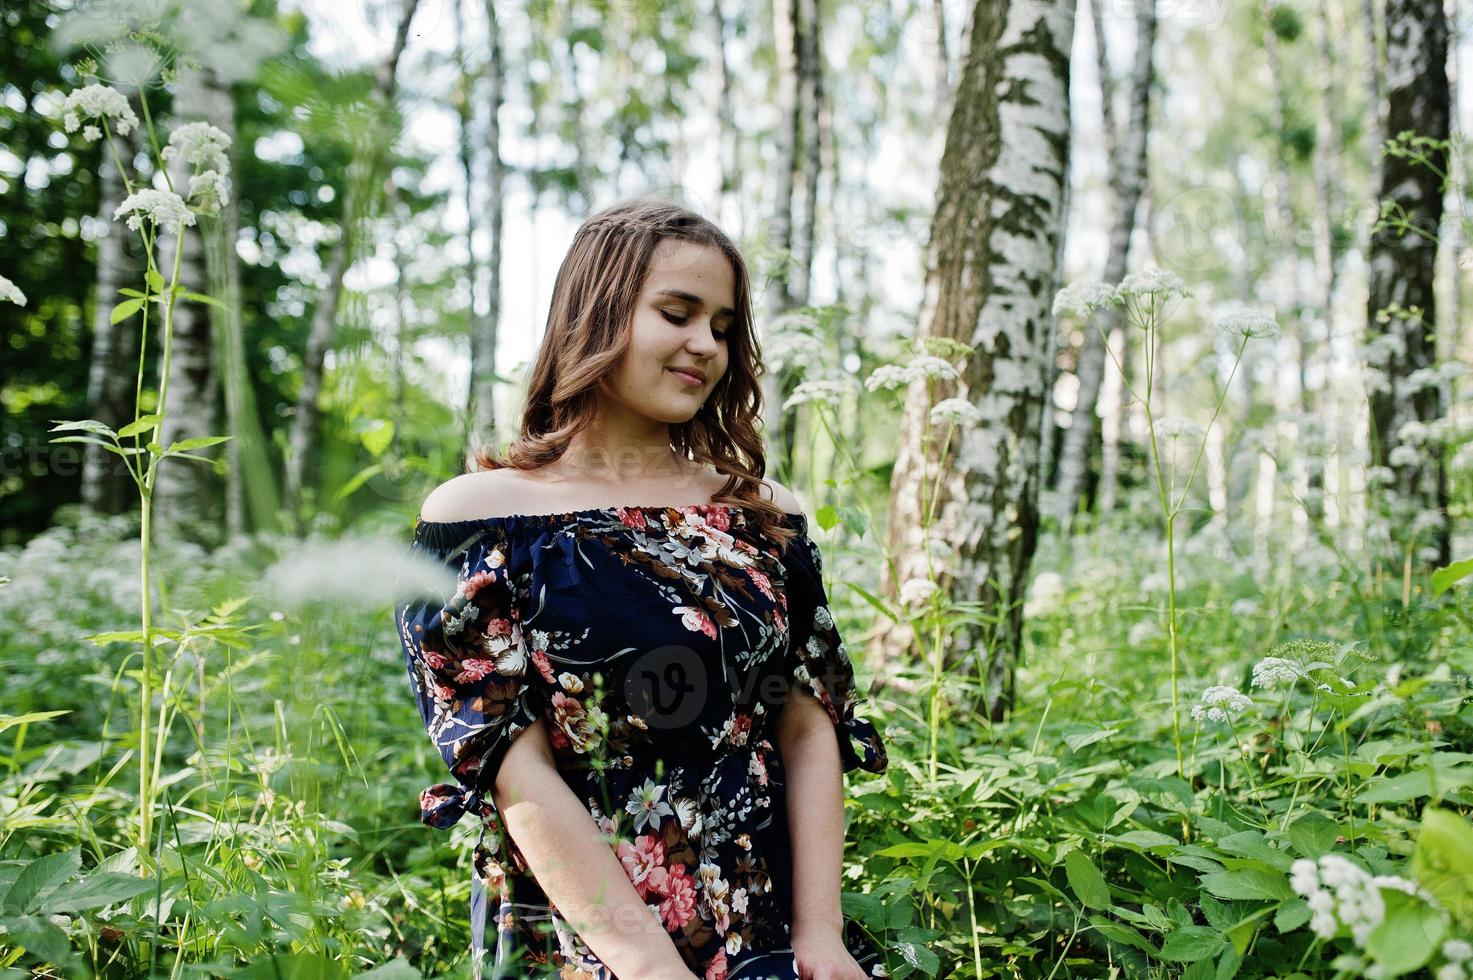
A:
(956, 411)
(1377, 381)
(211, 188)
(1451, 971)
(1404, 456)
(97, 102)
(201, 145)
(1413, 432)
(1462, 461)
(1382, 475)
(1457, 950)
(917, 591)
(1221, 703)
(161, 207)
(1304, 876)
(1152, 282)
(1045, 596)
(1142, 633)
(822, 391)
(91, 134)
(1174, 427)
(1270, 670)
(926, 366)
(1379, 350)
(1355, 904)
(1247, 324)
(1081, 299)
(888, 377)
(1243, 608)
(10, 292)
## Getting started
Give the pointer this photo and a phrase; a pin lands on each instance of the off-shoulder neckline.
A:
(799, 520)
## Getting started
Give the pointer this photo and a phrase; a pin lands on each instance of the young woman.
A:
(649, 612)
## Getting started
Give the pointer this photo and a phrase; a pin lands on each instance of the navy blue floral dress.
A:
(657, 644)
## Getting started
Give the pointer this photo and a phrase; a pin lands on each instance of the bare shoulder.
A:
(782, 496)
(467, 497)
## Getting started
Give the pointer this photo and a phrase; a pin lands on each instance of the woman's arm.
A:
(575, 865)
(815, 791)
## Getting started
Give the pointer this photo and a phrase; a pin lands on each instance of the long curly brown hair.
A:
(588, 332)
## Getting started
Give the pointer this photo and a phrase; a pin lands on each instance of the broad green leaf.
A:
(1251, 883)
(155, 280)
(39, 935)
(1086, 881)
(1442, 861)
(1444, 578)
(201, 298)
(1414, 785)
(1122, 933)
(1190, 943)
(1291, 915)
(396, 969)
(140, 425)
(40, 877)
(98, 889)
(1313, 835)
(1142, 839)
(1079, 740)
(125, 309)
(377, 438)
(1406, 937)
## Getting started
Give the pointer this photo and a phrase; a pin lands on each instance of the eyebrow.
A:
(693, 298)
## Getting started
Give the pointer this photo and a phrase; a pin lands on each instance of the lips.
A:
(687, 376)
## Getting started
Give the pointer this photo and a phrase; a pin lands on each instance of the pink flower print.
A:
(694, 618)
(543, 665)
(477, 582)
(717, 969)
(679, 906)
(758, 768)
(741, 726)
(631, 517)
(640, 859)
(435, 661)
(761, 580)
(474, 670)
(716, 516)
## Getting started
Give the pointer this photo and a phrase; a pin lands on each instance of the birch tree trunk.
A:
(725, 115)
(810, 100)
(185, 491)
(991, 261)
(1128, 176)
(106, 486)
(483, 383)
(302, 440)
(787, 39)
(1402, 271)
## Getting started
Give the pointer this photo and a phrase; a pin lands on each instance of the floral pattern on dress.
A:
(658, 645)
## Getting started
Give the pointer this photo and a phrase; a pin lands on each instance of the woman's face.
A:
(680, 321)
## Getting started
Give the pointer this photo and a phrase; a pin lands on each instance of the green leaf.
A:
(131, 292)
(99, 889)
(140, 425)
(39, 935)
(378, 437)
(1443, 578)
(86, 425)
(1251, 883)
(40, 877)
(1081, 739)
(155, 280)
(197, 442)
(10, 721)
(201, 298)
(1406, 937)
(1314, 835)
(1086, 881)
(1120, 933)
(1142, 839)
(396, 969)
(1442, 861)
(125, 309)
(1414, 785)
(1291, 915)
(1189, 943)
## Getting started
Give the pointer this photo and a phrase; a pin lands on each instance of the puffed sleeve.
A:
(468, 666)
(816, 658)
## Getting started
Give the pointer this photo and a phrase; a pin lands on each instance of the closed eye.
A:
(680, 321)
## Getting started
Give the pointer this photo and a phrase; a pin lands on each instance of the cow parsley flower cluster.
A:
(1457, 952)
(97, 102)
(956, 411)
(160, 207)
(1221, 703)
(201, 145)
(10, 292)
(1153, 283)
(1270, 670)
(1247, 324)
(1172, 427)
(1081, 299)
(1342, 895)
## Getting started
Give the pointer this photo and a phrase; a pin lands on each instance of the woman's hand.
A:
(823, 957)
